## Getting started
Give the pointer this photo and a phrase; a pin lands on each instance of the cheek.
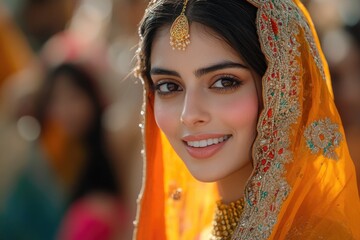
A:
(166, 116)
(242, 113)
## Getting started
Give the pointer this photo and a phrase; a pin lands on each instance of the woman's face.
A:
(206, 103)
(70, 107)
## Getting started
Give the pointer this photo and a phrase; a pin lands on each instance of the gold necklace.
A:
(226, 219)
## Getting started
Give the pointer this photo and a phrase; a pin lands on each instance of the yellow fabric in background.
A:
(15, 52)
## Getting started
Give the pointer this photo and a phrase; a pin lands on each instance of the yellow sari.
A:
(303, 185)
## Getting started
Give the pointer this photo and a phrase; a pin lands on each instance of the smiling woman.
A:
(237, 145)
(209, 97)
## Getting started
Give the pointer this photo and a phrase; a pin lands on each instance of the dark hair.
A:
(78, 77)
(232, 20)
(354, 31)
(98, 174)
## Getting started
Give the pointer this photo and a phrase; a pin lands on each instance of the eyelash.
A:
(235, 83)
(158, 85)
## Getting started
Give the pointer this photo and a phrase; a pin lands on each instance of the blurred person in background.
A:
(68, 166)
(111, 26)
(41, 19)
(97, 211)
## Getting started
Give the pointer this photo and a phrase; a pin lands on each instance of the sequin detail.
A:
(323, 136)
(279, 23)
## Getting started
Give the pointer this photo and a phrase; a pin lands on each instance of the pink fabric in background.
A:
(95, 218)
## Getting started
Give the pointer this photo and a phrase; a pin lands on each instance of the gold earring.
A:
(179, 31)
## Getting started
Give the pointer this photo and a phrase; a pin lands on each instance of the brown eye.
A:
(225, 83)
(167, 88)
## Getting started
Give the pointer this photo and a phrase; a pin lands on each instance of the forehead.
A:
(205, 48)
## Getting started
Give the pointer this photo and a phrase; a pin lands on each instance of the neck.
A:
(232, 187)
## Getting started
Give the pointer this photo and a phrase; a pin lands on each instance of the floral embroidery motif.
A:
(323, 135)
(279, 23)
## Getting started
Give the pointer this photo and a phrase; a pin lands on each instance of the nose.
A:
(195, 110)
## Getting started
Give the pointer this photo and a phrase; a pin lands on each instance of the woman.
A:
(79, 157)
(238, 93)
(67, 166)
(72, 105)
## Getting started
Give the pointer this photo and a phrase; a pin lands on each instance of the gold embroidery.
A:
(322, 135)
(278, 24)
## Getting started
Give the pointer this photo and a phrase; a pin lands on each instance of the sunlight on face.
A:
(206, 103)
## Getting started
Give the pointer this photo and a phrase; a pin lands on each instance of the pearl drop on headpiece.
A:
(179, 31)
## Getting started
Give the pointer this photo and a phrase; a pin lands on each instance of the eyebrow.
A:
(222, 65)
(161, 71)
(201, 71)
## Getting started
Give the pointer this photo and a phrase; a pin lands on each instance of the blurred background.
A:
(70, 111)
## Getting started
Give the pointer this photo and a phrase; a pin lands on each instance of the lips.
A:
(205, 146)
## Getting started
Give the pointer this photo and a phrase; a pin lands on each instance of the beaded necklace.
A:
(226, 219)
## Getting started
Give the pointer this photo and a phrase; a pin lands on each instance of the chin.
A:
(206, 176)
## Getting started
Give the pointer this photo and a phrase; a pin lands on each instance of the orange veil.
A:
(303, 185)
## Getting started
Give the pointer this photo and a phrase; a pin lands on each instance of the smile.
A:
(207, 142)
(205, 146)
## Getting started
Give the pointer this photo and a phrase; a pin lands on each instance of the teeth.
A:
(203, 143)
(207, 142)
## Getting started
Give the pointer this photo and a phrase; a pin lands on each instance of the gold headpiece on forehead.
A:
(179, 31)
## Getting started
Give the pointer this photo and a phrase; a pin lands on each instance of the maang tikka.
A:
(179, 31)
